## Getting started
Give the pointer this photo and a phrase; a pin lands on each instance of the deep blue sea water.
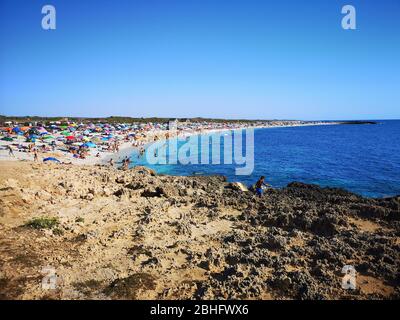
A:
(364, 159)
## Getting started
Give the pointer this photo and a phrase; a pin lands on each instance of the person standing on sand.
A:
(125, 163)
(259, 184)
(10, 151)
(111, 162)
(35, 156)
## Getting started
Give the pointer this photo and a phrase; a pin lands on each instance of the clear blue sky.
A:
(210, 58)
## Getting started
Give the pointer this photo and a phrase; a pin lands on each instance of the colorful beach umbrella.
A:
(89, 145)
(51, 159)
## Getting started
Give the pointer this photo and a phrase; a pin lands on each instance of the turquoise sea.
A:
(364, 159)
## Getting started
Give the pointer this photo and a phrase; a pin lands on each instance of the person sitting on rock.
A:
(259, 186)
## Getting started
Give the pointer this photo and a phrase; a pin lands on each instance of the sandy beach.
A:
(100, 156)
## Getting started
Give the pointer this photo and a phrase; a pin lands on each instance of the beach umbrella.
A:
(34, 131)
(42, 131)
(70, 138)
(48, 137)
(51, 159)
(7, 139)
(65, 133)
(89, 145)
(31, 138)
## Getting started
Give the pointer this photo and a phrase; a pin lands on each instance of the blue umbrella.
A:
(51, 159)
(89, 145)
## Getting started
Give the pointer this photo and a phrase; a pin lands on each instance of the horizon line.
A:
(190, 118)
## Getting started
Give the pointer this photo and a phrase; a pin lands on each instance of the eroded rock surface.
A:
(135, 235)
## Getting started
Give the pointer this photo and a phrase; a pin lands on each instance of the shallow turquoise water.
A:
(361, 158)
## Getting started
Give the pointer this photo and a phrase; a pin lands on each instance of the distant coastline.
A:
(359, 122)
(126, 119)
(156, 128)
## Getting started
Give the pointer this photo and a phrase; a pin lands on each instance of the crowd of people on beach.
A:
(75, 140)
(79, 141)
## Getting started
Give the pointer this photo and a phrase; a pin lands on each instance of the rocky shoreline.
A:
(112, 234)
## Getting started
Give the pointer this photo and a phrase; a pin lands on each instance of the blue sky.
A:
(209, 58)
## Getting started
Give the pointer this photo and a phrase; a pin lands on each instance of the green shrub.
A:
(58, 232)
(43, 223)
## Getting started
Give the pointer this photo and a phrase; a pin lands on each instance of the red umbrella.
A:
(70, 138)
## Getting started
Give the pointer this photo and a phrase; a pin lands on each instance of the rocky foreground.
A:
(112, 234)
